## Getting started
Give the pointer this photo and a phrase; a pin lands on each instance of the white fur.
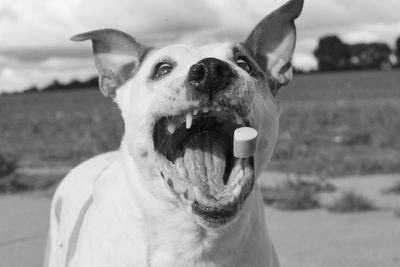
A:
(127, 226)
(133, 219)
(116, 210)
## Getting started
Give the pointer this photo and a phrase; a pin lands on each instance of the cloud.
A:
(305, 62)
(34, 31)
(353, 21)
(52, 22)
(16, 75)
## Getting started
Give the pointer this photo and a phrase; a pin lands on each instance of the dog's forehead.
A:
(218, 50)
(180, 52)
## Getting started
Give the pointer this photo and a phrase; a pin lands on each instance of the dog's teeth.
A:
(189, 119)
(237, 190)
(206, 109)
(171, 127)
(195, 111)
(218, 108)
(182, 172)
(179, 186)
(239, 120)
(239, 175)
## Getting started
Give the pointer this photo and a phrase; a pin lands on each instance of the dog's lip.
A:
(217, 215)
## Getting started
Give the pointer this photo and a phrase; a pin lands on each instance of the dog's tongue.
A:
(205, 161)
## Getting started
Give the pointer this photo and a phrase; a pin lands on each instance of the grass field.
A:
(332, 125)
(338, 124)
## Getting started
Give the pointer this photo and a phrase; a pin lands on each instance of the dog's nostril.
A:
(197, 73)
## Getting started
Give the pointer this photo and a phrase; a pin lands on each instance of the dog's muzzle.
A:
(195, 145)
(210, 75)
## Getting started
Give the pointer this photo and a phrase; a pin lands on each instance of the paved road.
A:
(318, 238)
(302, 239)
(23, 228)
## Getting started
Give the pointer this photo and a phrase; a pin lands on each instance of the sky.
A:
(34, 34)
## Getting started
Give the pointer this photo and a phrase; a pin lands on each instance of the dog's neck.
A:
(187, 242)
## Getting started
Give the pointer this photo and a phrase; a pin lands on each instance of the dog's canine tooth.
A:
(236, 191)
(239, 175)
(206, 109)
(180, 186)
(189, 119)
(232, 180)
(182, 172)
(171, 127)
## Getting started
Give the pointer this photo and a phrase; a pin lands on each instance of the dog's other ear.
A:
(272, 43)
(117, 57)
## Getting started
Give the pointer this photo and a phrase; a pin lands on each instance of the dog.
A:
(174, 194)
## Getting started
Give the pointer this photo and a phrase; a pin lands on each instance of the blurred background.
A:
(339, 144)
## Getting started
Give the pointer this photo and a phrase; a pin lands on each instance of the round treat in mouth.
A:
(195, 154)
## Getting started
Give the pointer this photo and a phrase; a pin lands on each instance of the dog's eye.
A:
(242, 62)
(161, 69)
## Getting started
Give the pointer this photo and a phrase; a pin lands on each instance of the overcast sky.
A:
(34, 34)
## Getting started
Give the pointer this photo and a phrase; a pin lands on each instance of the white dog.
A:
(174, 194)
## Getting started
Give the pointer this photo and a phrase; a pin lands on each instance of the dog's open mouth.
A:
(197, 163)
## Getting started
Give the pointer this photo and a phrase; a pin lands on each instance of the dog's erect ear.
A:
(117, 57)
(272, 43)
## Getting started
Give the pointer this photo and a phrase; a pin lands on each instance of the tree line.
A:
(333, 54)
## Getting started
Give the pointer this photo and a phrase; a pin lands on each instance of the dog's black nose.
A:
(210, 75)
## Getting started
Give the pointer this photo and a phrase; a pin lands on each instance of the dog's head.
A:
(181, 105)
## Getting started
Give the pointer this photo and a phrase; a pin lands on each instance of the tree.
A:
(332, 54)
(370, 56)
(398, 50)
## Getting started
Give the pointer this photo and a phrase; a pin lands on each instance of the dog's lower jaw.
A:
(173, 237)
(243, 243)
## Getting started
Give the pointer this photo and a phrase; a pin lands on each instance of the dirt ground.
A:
(314, 238)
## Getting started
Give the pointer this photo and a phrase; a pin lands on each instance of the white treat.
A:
(244, 142)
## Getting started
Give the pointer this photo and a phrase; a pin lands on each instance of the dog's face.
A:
(181, 105)
(190, 102)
